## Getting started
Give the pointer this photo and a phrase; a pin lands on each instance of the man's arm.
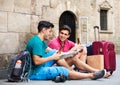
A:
(76, 47)
(39, 60)
(48, 49)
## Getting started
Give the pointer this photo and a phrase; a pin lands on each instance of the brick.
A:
(3, 21)
(6, 5)
(34, 23)
(23, 6)
(18, 22)
(9, 43)
(39, 5)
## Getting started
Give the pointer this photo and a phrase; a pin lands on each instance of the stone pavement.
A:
(113, 80)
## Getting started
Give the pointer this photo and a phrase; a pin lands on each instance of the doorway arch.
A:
(68, 18)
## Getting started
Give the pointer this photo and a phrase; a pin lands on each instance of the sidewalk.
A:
(113, 80)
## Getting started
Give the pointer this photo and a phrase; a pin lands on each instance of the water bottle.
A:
(18, 64)
(17, 69)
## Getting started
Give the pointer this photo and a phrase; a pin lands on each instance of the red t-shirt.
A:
(56, 44)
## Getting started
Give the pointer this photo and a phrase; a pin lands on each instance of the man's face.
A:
(48, 33)
(63, 35)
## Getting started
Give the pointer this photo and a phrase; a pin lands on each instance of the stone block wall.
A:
(18, 21)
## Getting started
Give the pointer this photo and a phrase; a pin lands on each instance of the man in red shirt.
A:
(64, 45)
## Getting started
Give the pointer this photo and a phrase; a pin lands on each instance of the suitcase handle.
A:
(96, 28)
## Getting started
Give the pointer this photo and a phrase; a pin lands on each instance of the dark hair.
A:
(45, 24)
(65, 27)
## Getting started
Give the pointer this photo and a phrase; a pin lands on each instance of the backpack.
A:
(19, 67)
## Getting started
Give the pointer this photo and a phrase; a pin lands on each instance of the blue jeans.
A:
(49, 71)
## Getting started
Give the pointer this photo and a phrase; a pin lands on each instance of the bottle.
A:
(17, 69)
(18, 64)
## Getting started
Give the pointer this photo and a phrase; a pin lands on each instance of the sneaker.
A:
(99, 74)
(60, 78)
(108, 74)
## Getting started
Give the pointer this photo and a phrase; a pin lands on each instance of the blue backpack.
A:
(19, 67)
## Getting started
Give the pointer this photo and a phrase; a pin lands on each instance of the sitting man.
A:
(62, 43)
(43, 58)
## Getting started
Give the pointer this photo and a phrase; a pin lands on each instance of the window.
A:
(103, 19)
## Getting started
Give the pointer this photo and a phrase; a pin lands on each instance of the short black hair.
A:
(45, 24)
(65, 27)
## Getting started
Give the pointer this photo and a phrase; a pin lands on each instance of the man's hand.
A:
(56, 56)
(76, 47)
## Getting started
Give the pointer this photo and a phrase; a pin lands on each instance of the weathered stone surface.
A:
(18, 22)
(9, 43)
(52, 13)
(23, 39)
(4, 61)
(54, 3)
(3, 22)
(34, 23)
(39, 5)
(6, 5)
(23, 6)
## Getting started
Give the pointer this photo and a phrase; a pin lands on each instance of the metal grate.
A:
(103, 19)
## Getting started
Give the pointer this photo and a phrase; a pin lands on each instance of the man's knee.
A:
(74, 59)
(84, 50)
(60, 62)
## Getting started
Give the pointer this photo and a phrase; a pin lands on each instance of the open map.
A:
(70, 54)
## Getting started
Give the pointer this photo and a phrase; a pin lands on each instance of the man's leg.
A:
(47, 73)
(94, 76)
(80, 64)
(83, 55)
(63, 62)
(83, 52)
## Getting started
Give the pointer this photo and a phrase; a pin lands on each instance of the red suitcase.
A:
(108, 50)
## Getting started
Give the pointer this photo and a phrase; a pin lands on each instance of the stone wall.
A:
(19, 18)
